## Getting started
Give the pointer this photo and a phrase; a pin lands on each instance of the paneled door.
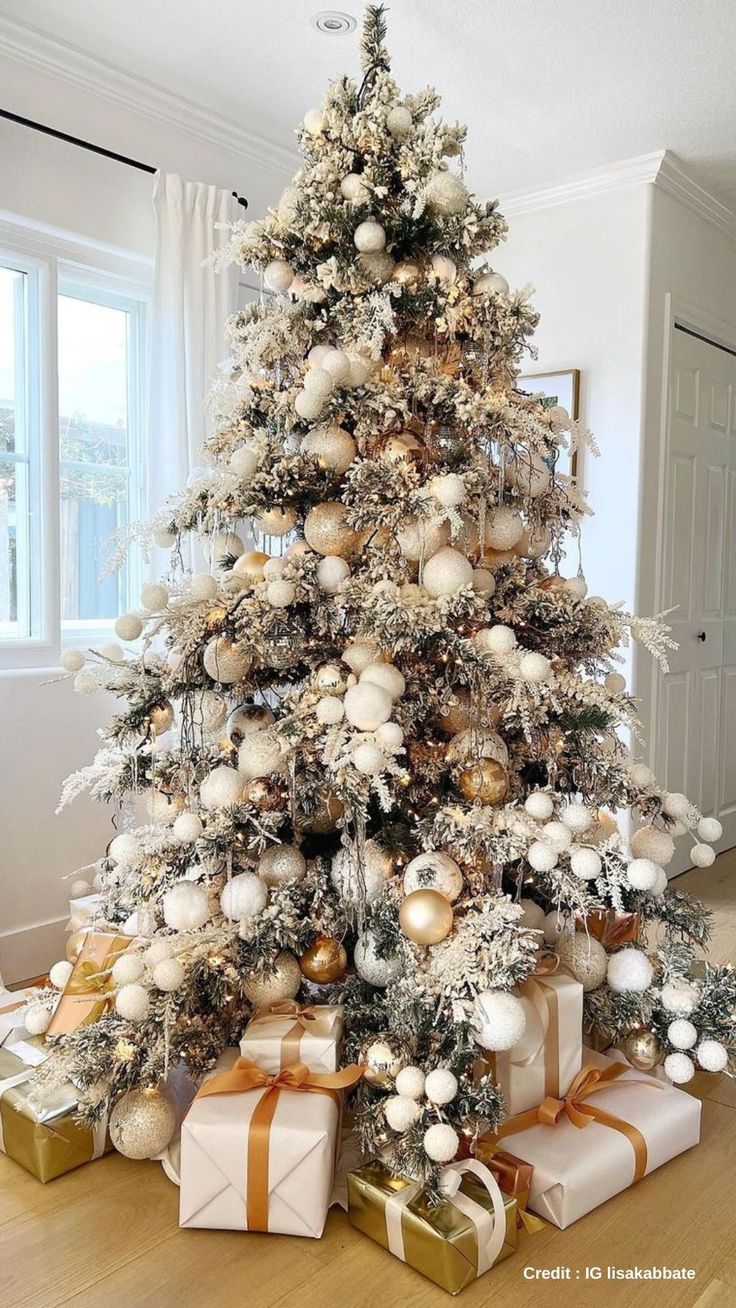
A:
(695, 714)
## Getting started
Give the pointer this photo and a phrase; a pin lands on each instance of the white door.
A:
(695, 713)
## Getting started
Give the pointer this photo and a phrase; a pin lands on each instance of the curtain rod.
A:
(88, 145)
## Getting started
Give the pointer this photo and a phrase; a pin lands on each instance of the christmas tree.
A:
(379, 734)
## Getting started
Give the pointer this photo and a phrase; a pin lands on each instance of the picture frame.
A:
(560, 387)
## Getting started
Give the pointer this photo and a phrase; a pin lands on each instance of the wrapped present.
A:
(258, 1149)
(287, 1032)
(83, 910)
(13, 1004)
(89, 992)
(453, 1243)
(549, 1053)
(632, 1125)
(514, 1177)
(45, 1137)
(609, 926)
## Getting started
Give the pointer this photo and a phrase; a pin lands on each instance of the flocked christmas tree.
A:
(379, 735)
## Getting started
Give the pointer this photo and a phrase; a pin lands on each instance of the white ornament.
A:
(169, 975)
(245, 460)
(376, 971)
(710, 829)
(221, 546)
(314, 122)
(72, 660)
(186, 907)
(682, 1034)
(504, 528)
(441, 1086)
(614, 683)
(278, 275)
(490, 284)
(390, 737)
(369, 237)
(444, 268)
(354, 190)
(319, 383)
(163, 538)
(127, 969)
(629, 969)
(77, 889)
(332, 571)
(187, 828)
(329, 710)
(576, 586)
(309, 405)
(37, 1019)
(446, 194)
(534, 915)
(221, 788)
(679, 1068)
(401, 1112)
(280, 594)
(359, 655)
(542, 857)
(387, 676)
(449, 490)
(434, 870)
(577, 817)
(535, 668)
(499, 1019)
(337, 364)
(556, 924)
(367, 706)
(652, 842)
(124, 848)
(154, 596)
(675, 805)
(421, 539)
(244, 896)
(539, 805)
(498, 640)
(360, 370)
(410, 1082)
(660, 885)
(225, 660)
(585, 957)
(702, 856)
(128, 626)
(680, 996)
(354, 881)
(586, 864)
(113, 652)
(59, 974)
(158, 950)
(260, 755)
(133, 1003)
(399, 122)
(282, 865)
(441, 1142)
(446, 572)
(369, 759)
(712, 1056)
(557, 835)
(484, 582)
(642, 874)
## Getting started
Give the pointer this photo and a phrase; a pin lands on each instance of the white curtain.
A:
(191, 303)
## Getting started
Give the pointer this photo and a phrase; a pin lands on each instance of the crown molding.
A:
(660, 168)
(35, 49)
(27, 236)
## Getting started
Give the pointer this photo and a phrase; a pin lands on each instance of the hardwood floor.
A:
(106, 1236)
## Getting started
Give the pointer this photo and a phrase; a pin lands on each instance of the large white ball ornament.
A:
(539, 805)
(577, 817)
(59, 974)
(319, 382)
(133, 1003)
(484, 582)
(225, 660)
(434, 870)
(202, 587)
(329, 710)
(503, 528)
(369, 759)
(399, 122)
(660, 885)
(420, 538)
(542, 857)
(675, 804)
(359, 655)
(679, 1068)
(498, 641)
(280, 594)
(353, 881)
(557, 835)
(654, 843)
(401, 1112)
(680, 996)
(410, 1082)
(221, 788)
(72, 660)
(127, 969)
(446, 194)
(124, 848)
(492, 283)
(309, 405)
(387, 676)
(187, 828)
(449, 490)
(499, 1019)
(446, 573)
(712, 1056)
(314, 122)
(128, 626)
(642, 874)
(154, 596)
(535, 668)
(441, 1086)
(354, 190)
(278, 276)
(245, 460)
(682, 1034)
(586, 864)
(367, 706)
(390, 737)
(186, 907)
(244, 896)
(332, 571)
(629, 969)
(337, 364)
(441, 1142)
(369, 237)
(533, 916)
(360, 369)
(260, 755)
(169, 975)
(710, 829)
(37, 1019)
(373, 969)
(163, 538)
(586, 958)
(702, 855)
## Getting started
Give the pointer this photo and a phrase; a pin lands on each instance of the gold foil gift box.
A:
(44, 1137)
(452, 1243)
(89, 992)
(549, 1054)
(287, 1032)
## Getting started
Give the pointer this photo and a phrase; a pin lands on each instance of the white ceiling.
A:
(549, 88)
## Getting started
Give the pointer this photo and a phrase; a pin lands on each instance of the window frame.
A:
(56, 264)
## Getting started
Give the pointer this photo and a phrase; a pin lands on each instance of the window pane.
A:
(15, 562)
(94, 453)
(14, 549)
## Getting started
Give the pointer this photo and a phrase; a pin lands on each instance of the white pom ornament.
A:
(535, 668)
(329, 710)
(449, 490)
(702, 855)
(314, 122)
(244, 896)
(332, 571)
(710, 829)
(629, 969)
(682, 1034)
(401, 1112)
(410, 1082)
(499, 1019)
(278, 276)
(369, 237)
(127, 969)
(128, 626)
(72, 660)
(441, 1142)
(446, 194)
(245, 460)
(169, 975)
(187, 828)
(376, 971)
(504, 528)
(654, 843)
(367, 706)
(154, 596)
(399, 122)
(498, 640)
(369, 759)
(557, 835)
(37, 1019)
(222, 788)
(133, 1003)
(387, 676)
(539, 805)
(680, 997)
(642, 874)
(124, 848)
(712, 1056)
(586, 864)
(577, 818)
(542, 857)
(446, 572)
(354, 190)
(186, 906)
(260, 755)
(59, 974)
(679, 1068)
(440, 1086)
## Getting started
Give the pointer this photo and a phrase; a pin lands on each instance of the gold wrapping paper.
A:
(441, 1242)
(89, 991)
(46, 1141)
(287, 1032)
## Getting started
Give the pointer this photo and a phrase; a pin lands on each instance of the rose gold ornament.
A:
(426, 917)
(324, 961)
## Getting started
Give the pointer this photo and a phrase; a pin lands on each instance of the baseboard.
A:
(32, 950)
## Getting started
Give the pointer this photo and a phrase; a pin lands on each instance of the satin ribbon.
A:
(90, 983)
(543, 998)
(305, 1017)
(244, 1076)
(490, 1227)
(580, 1112)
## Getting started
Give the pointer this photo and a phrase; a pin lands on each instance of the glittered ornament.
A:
(369, 965)
(283, 639)
(679, 1068)
(128, 626)
(278, 521)
(260, 755)
(221, 788)
(332, 447)
(712, 1056)
(426, 917)
(455, 716)
(142, 1123)
(629, 969)
(327, 814)
(485, 780)
(225, 660)
(383, 1056)
(406, 272)
(441, 1142)
(361, 878)
(401, 1112)
(326, 530)
(447, 572)
(369, 237)
(282, 865)
(654, 843)
(324, 961)
(445, 194)
(281, 982)
(585, 957)
(643, 1049)
(434, 870)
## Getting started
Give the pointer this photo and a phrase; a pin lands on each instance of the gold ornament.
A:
(282, 982)
(276, 521)
(264, 794)
(426, 917)
(327, 532)
(643, 1049)
(325, 960)
(74, 942)
(485, 780)
(406, 272)
(383, 1056)
(400, 447)
(327, 816)
(142, 1123)
(161, 718)
(456, 715)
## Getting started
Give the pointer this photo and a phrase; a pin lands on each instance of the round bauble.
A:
(679, 1068)
(282, 865)
(161, 718)
(390, 678)
(154, 596)
(484, 582)
(586, 959)
(367, 706)
(245, 719)
(577, 818)
(420, 538)
(490, 284)
(369, 759)
(642, 874)
(426, 917)
(250, 567)
(72, 660)
(324, 961)
(142, 1123)
(169, 975)
(680, 997)
(244, 896)
(225, 660)
(221, 788)
(336, 363)
(539, 805)
(222, 545)
(326, 816)
(455, 717)
(499, 1019)
(586, 864)
(359, 880)
(614, 683)
(629, 969)
(124, 849)
(498, 640)
(369, 237)
(186, 907)
(441, 1142)
(390, 737)
(128, 626)
(446, 572)
(280, 593)
(309, 405)
(187, 828)
(332, 571)
(441, 1086)
(354, 190)
(643, 1049)
(444, 268)
(281, 982)
(399, 122)
(329, 710)
(37, 1019)
(359, 655)
(406, 272)
(378, 266)
(710, 829)
(244, 461)
(370, 966)
(556, 925)
(401, 1112)
(434, 870)
(654, 843)
(133, 1003)
(59, 974)
(534, 915)
(702, 855)
(278, 276)
(712, 1056)
(410, 1082)
(327, 531)
(682, 1034)
(330, 678)
(127, 968)
(332, 447)
(445, 194)
(260, 755)
(486, 781)
(383, 1056)
(504, 528)
(278, 521)
(557, 835)
(535, 669)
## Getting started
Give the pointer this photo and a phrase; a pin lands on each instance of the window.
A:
(72, 355)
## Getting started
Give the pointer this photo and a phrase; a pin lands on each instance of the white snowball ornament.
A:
(369, 237)
(629, 969)
(314, 122)
(710, 829)
(401, 1112)
(420, 538)
(660, 885)
(367, 706)
(410, 1082)
(128, 626)
(376, 971)
(390, 737)
(221, 788)
(654, 843)
(278, 276)
(387, 676)
(641, 776)
(359, 655)
(72, 660)
(309, 405)
(369, 759)
(539, 805)
(586, 864)
(712, 1056)
(484, 582)
(169, 975)
(702, 856)
(280, 594)
(37, 1019)
(319, 382)
(542, 857)
(535, 668)
(244, 896)
(154, 597)
(642, 874)
(446, 572)
(585, 957)
(336, 363)
(329, 710)
(187, 828)
(679, 1068)
(127, 969)
(675, 805)
(446, 194)
(577, 818)
(533, 916)
(441, 1142)
(124, 849)
(434, 870)
(440, 1086)
(353, 881)
(354, 190)
(59, 974)
(499, 1019)
(332, 571)
(449, 490)
(682, 1034)
(680, 996)
(504, 528)
(497, 640)
(399, 122)
(245, 460)
(557, 835)
(113, 652)
(260, 755)
(186, 907)
(133, 1003)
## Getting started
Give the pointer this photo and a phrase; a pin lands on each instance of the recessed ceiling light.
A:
(333, 23)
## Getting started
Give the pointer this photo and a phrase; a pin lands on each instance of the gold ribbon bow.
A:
(580, 1112)
(297, 1078)
(305, 1017)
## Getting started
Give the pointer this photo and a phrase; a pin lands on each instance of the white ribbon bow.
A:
(490, 1227)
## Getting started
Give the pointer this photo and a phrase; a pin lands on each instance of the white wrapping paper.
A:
(312, 1036)
(549, 1055)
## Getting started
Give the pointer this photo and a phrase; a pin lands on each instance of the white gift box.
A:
(83, 910)
(13, 1004)
(298, 1179)
(577, 1168)
(549, 1054)
(288, 1033)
